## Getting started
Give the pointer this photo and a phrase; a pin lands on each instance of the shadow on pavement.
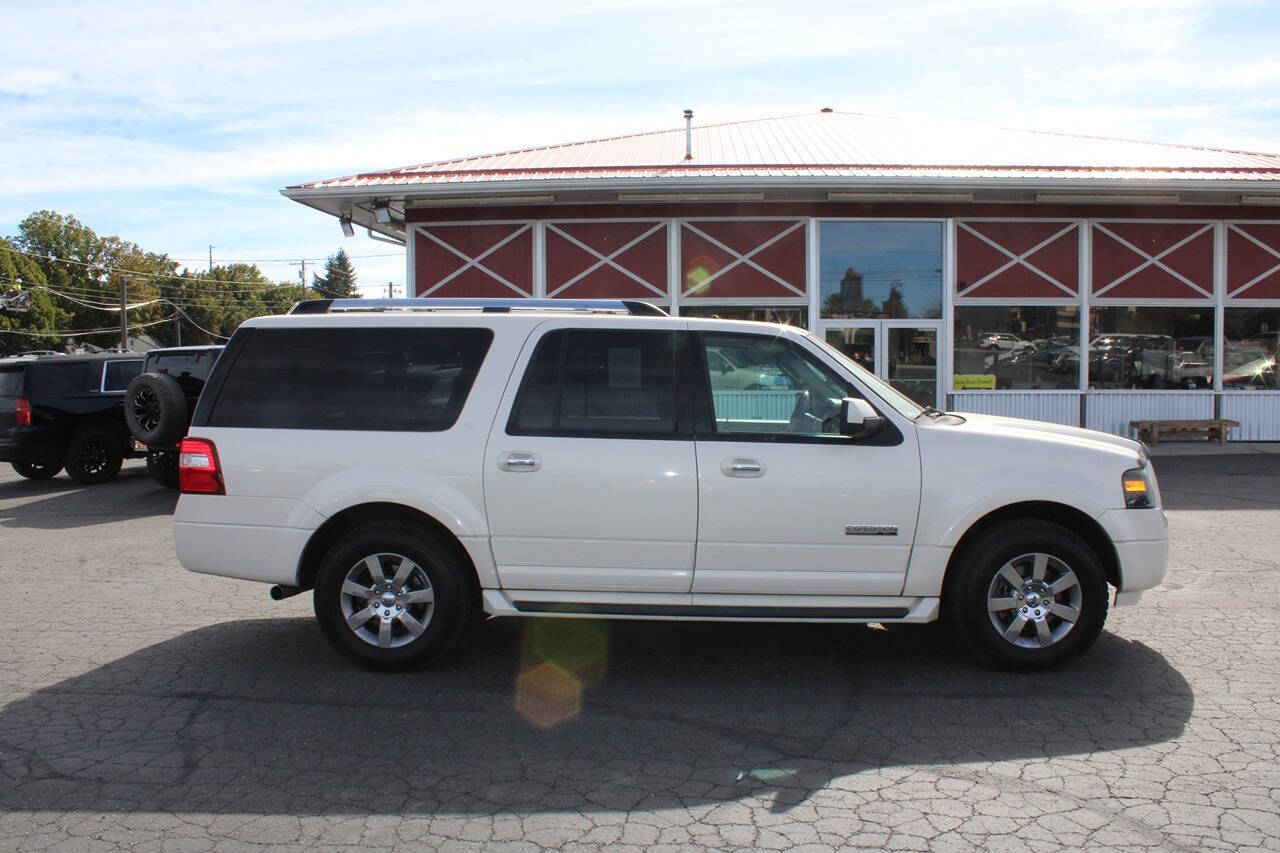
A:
(1236, 481)
(260, 717)
(62, 504)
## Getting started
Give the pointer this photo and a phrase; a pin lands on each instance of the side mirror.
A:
(858, 419)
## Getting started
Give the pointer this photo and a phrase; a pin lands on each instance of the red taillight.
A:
(198, 470)
(23, 416)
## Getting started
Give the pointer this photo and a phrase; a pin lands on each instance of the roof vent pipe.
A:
(688, 134)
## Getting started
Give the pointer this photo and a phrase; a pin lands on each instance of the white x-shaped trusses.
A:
(1270, 250)
(608, 260)
(1152, 260)
(1018, 259)
(475, 262)
(740, 258)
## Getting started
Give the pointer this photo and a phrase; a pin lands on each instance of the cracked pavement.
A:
(144, 707)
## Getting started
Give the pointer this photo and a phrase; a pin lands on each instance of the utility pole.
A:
(391, 293)
(124, 316)
(210, 257)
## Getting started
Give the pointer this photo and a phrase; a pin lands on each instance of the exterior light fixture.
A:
(1104, 198)
(382, 212)
(461, 201)
(345, 222)
(898, 196)
(690, 196)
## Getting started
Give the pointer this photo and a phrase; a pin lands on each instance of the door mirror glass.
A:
(858, 419)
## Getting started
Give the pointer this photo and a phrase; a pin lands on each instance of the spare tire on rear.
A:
(156, 409)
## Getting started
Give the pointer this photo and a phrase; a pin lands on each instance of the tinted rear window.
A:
(118, 374)
(606, 382)
(11, 382)
(391, 380)
(57, 380)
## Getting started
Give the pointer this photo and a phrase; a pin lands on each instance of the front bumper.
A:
(1141, 539)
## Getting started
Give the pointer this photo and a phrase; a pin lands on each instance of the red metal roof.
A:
(835, 145)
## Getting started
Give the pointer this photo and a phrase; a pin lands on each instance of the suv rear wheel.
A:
(1028, 594)
(390, 595)
(94, 455)
(37, 469)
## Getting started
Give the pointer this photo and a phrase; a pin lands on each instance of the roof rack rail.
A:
(497, 306)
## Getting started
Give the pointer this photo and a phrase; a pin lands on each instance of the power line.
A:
(65, 334)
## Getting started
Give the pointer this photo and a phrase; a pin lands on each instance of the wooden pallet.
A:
(1215, 429)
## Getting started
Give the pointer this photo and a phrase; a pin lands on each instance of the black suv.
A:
(160, 401)
(66, 411)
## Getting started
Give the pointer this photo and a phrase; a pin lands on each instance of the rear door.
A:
(590, 478)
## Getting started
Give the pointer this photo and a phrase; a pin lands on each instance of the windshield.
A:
(903, 404)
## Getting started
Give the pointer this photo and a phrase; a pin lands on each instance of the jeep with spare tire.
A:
(160, 401)
(66, 411)
(416, 462)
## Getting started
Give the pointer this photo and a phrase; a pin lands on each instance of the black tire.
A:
(94, 455)
(436, 567)
(1044, 639)
(162, 465)
(37, 469)
(155, 409)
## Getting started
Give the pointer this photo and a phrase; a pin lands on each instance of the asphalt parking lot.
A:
(145, 707)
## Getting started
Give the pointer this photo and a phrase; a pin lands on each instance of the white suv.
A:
(416, 461)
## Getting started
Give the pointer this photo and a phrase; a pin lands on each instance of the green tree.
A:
(35, 311)
(339, 279)
(86, 271)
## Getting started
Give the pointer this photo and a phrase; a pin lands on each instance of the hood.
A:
(997, 425)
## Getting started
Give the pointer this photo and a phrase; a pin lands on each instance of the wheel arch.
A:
(1063, 515)
(359, 515)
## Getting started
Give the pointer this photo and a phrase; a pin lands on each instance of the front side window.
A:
(375, 379)
(880, 269)
(1252, 341)
(600, 382)
(1018, 348)
(768, 386)
(1146, 346)
(116, 375)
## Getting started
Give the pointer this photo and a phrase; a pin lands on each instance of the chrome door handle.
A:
(739, 466)
(519, 461)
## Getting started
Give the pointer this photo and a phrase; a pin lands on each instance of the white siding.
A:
(1061, 408)
(1111, 412)
(1257, 412)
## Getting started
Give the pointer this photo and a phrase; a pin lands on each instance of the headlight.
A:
(1138, 491)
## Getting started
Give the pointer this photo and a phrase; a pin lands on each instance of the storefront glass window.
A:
(790, 315)
(1016, 347)
(1249, 359)
(1151, 347)
(880, 269)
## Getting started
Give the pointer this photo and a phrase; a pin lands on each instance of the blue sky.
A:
(176, 126)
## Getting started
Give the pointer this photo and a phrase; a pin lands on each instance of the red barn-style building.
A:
(1071, 279)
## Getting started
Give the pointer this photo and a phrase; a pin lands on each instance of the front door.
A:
(590, 481)
(787, 505)
(904, 353)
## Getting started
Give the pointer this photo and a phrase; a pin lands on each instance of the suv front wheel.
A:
(1028, 594)
(390, 595)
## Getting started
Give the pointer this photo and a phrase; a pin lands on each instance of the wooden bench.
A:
(1149, 432)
